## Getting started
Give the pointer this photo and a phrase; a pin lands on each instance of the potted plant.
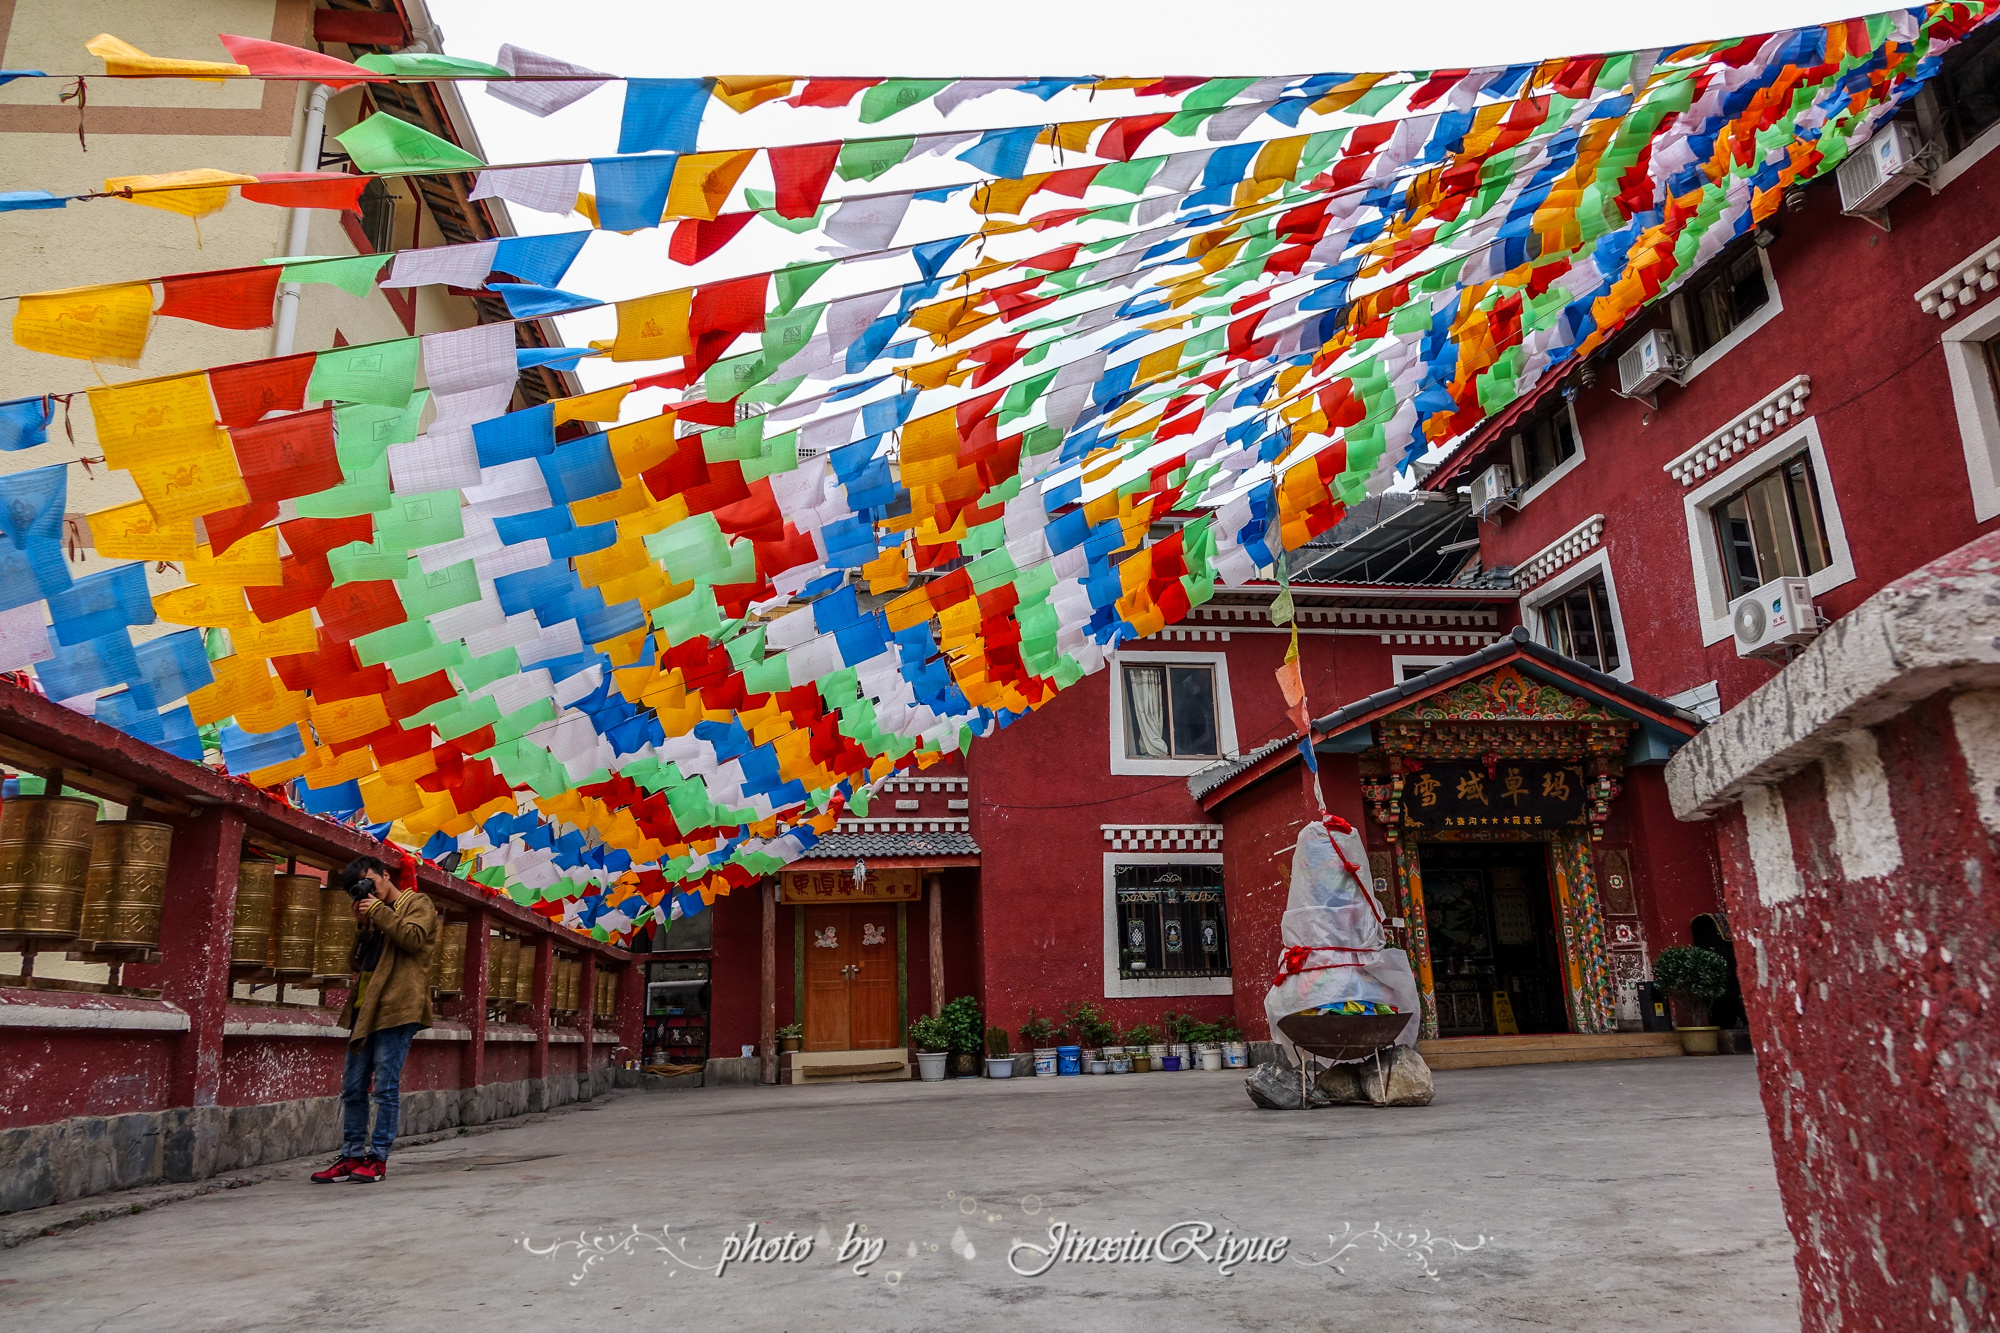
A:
(1086, 1021)
(1039, 1034)
(999, 1064)
(790, 1036)
(1696, 977)
(1235, 1050)
(1205, 1040)
(1139, 1042)
(1176, 1026)
(964, 1031)
(933, 1042)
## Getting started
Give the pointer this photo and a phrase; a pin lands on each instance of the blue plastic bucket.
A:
(1069, 1059)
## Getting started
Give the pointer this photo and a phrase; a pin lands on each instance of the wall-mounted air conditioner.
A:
(1494, 486)
(1881, 169)
(1648, 363)
(1778, 615)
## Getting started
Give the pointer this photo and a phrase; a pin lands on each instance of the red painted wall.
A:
(102, 1073)
(1873, 1012)
(1675, 873)
(1880, 395)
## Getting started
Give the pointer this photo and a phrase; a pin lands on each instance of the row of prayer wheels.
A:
(66, 876)
(293, 925)
(606, 998)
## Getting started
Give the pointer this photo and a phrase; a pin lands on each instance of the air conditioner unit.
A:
(1494, 486)
(1778, 615)
(1881, 169)
(1648, 363)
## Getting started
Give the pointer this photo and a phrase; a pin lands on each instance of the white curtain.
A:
(1146, 691)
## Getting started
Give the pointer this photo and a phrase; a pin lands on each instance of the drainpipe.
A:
(295, 243)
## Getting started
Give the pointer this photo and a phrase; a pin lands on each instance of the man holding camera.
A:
(391, 1002)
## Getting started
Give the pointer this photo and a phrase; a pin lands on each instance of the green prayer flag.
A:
(354, 274)
(865, 159)
(483, 671)
(383, 145)
(885, 99)
(366, 491)
(416, 521)
(787, 333)
(359, 562)
(793, 282)
(441, 589)
(363, 432)
(380, 373)
(429, 65)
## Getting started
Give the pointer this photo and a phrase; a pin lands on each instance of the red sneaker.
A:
(342, 1169)
(369, 1170)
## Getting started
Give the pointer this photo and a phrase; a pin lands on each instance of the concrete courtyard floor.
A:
(1631, 1195)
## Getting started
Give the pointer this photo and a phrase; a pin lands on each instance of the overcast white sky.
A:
(1024, 38)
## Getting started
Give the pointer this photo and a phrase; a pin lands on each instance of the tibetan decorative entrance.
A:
(851, 954)
(1500, 758)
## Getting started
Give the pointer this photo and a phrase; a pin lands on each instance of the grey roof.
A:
(1391, 536)
(1518, 640)
(861, 846)
(1208, 779)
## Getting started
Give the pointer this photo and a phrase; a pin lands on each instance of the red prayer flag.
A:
(231, 298)
(307, 189)
(417, 695)
(1072, 183)
(354, 609)
(276, 60)
(230, 526)
(306, 581)
(311, 538)
(802, 171)
(246, 391)
(695, 239)
(1121, 138)
(830, 92)
(1051, 261)
(288, 456)
(1439, 83)
(736, 306)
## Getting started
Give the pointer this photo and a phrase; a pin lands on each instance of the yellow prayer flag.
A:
(334, 769)
(193, 194)
(702, 182)
(599, 406)
(888, 571)
(134, 532)
(347, 719)
(122, 60)
(640, 445)
(627, 499)
(653, 328)
(143, 421)
(253, 562)
(286, 709)
(386, 801)
(209, 608)
(241, 684)
(89, 323)
(193, 481)
(742, 92)
(280, 638)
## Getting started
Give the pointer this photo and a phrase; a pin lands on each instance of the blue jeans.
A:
(377, 1059)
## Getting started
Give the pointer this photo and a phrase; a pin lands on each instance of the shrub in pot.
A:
(965, 1031)
(999, 1064)
(1085, 1021)
(1139, 1039)
(1235, 1051)
(790, 1036)
(933, 1042)
(1696, 977)
(1040, 1035)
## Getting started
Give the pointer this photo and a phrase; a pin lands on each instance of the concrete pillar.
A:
(538, 1007)
(767, 996)
(198, 908)
(472, 1060)
(935, 891)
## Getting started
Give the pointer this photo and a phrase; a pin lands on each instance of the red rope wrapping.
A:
(1293, 962)
(407, 880)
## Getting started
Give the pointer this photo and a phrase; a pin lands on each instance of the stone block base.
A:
(86, 1155)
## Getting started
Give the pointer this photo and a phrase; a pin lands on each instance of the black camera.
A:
(356, 883)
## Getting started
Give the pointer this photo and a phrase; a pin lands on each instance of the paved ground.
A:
(1636, 1195)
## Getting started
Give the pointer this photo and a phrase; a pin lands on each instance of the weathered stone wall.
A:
(1858, 797)
(86, 1155)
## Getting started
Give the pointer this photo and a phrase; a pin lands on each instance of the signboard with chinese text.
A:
(838, 886)
(1519, 794)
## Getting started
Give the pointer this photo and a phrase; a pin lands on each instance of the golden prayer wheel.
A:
(333, 938)
(448, 962)
(250, 933)
(508, 959)
(295, 903)
(524, 973)
(44, 865)
(560, 999)
(128, 884)
(607, 994)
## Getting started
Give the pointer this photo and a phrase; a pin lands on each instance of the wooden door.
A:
(872, 985)
(829, 956)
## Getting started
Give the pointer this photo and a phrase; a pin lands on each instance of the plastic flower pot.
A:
(1211, 1058)
(1045, 1062)
(1158, 1055)
(1121, 1063)
(1171, 1064)
(1236, 1054)
(1100, 1066)
(1179, 1051)
(1069, 1060)
(1141, 1062)
(999, 1066)
(930, 1065)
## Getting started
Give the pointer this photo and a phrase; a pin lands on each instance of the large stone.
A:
(1400, 1079)
(1274, 1085)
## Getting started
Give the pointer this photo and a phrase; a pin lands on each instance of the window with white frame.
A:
(1166, 930)
(1545, 446)
(1773, 515)
(1972, 358)
(1170, 712)
(1772, 527)
(1730, 299)
(1968, 90)
(1409, 667)
(1576, 613)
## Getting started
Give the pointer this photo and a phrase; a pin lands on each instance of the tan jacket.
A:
(398, 991)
